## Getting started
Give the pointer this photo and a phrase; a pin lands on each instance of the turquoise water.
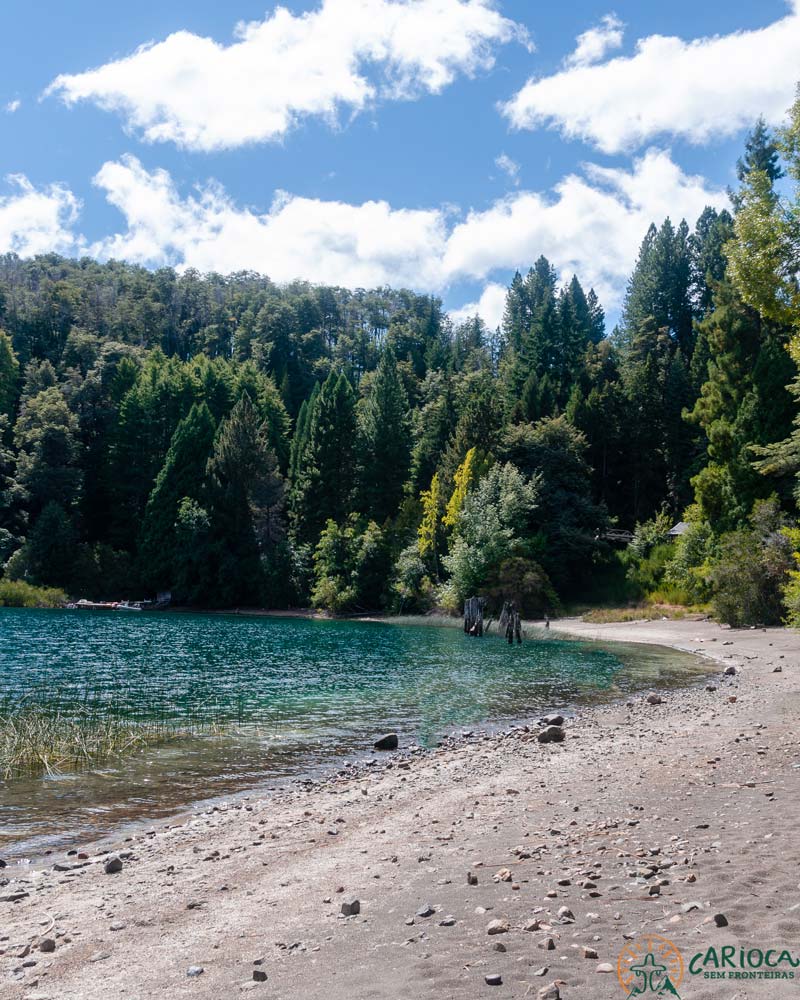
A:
(298, 694)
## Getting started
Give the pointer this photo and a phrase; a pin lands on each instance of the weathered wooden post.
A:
(510, 623)
(473, 616)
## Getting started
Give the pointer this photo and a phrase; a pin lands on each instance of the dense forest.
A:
(242, 443)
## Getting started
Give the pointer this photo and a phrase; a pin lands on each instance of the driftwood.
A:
(510, 623)
(473, 616)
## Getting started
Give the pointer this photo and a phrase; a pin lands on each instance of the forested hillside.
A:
(243, 443)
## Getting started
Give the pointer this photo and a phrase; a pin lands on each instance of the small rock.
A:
(720, 920)
(730, 671)
(195, 970)
(259, 976)
(548, 944)
(472, 879)
(590, 953)
(426, 910)
(550, 992)
(449, 921)
(47, 945)
(498, 927)
(604, 967)
(654, 699)
(113, 865)
(497, 946)
(350, 907)
(494, 979)
(566, 914)
(553, 720)
(711, 687)
(551, 734)
(388, 742)
(778, 669)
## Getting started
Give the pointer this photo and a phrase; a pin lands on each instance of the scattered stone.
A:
(550, 992)
(720, 920)
(449, 921)
(195, 970)
(350, 907)
(711, 687)
(497, 946)
(604, 967)
(566, 915)
(426, 910)
(13, 897)
(113, 865)
(498, 927)
(541, 971)
(654, 890)
(654, 699)
(100, 956)
(548, 944)
(589, 952)
(532, 925)
(47, 945)
(688, 907)
(730, 671)
(778, 669)
(388, 742)
(259, 976)
(494, 979)
(504, 875)
(472, 879)
(551, 734)
(553, 720)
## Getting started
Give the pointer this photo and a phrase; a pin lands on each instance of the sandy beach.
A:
(648, 819)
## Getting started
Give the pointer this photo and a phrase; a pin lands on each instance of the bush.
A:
(753, 570)
(18, 594)
(351, 565)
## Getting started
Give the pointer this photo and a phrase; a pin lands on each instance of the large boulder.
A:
(388, 742)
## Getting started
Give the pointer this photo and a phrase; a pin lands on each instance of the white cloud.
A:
(593, 44)
(37, 220)
(591, 224)
(508, 166)
(701, 89)
(325, 241)
(13, 106)
(204, 96)
(489, 307)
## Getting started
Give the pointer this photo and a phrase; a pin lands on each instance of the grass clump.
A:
(41, 738)
(19, 594)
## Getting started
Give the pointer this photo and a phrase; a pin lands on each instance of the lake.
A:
(298, 696)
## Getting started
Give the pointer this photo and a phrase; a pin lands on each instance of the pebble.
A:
(494, 979)
(426, 910)
(551, 734)
(604, 967)
(589, 953)
(449, 921)
(550, 992)
(565, 914)
(720, 920)
(47, 945)
(195, 970)
(498, 927)
(113, 865)
(654, 699)
(350, 907)
(388, 742)
(730, 671)
(259, 976)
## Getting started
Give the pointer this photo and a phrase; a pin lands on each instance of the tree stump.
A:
(473, 616)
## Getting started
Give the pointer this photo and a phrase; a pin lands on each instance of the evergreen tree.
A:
(182, 476)
(385, 442)
(9, 375)
(326, 473)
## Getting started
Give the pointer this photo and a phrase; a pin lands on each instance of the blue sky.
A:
(437, 144)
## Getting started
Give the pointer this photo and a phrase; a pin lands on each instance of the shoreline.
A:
(217, 889)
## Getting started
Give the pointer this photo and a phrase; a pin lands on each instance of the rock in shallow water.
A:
(388, 742)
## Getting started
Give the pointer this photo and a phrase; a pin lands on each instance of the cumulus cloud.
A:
(700, 90)
(346, 54)
(37, 220)
(490, 307)
(324, 241)
(13, 106)
(593, 44)
(591, 224)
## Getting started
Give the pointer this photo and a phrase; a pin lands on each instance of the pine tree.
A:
(182, 476)
(385, 442)
(325, 477)
(9, 375)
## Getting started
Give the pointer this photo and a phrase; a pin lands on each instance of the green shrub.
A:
(18, 594)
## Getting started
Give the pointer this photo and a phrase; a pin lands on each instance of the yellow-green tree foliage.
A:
(428, 533)
(467, 475)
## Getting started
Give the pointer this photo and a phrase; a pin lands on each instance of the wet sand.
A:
(646, 820)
